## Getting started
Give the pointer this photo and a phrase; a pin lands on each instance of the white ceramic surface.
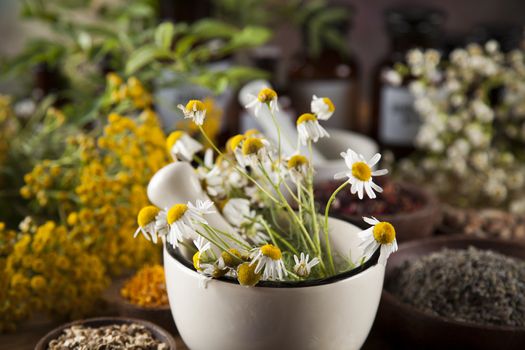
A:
(227, 316)
(178, 183)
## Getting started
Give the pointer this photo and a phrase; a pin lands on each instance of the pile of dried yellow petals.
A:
(147, 287)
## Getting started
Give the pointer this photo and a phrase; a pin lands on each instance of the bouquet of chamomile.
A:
(278, 232)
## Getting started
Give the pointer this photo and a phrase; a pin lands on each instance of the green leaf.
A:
(239, 74)
(336, 41)
(164, 35)
(144, 56)
(212, 28)
(184, 45)
(250, 37)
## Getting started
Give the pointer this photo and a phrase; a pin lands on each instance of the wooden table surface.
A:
(28, 334)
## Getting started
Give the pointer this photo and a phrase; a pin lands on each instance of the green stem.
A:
(285, 203)
(236, 166)
(327, 238)
(284, 241)
(278, 132)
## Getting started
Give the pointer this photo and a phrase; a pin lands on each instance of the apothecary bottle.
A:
(331, 72)
(395, 123)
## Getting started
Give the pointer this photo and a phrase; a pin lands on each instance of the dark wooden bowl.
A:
(409, 226)
(158, 332)
(161, 316)
(415, 329)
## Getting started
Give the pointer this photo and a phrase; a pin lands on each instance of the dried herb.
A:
(470, 285)
(147, 287)
(394, 199)
(124, 336)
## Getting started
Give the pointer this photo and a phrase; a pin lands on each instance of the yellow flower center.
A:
(266, 95)
(361, 171)
(232, 257)
(271, 251)
(252, 132)
(234, 142)
(246, 274)
(329, 103)
(306, 117)
(173, 138)
(252, 145)
(147, 215)
(197, 261)
(297, 161)
(176, 212)
(195, 105)
(384, 233)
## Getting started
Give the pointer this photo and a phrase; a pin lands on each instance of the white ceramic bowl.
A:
(331, 314)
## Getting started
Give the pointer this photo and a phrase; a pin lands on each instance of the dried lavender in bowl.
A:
(117, 336)
(470, 285)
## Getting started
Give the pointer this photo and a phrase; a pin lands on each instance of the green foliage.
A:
(316, 17)
(90, 38)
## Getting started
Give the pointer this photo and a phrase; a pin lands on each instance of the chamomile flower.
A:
(161, 223)
(234, 146)
(247, 276)
(361, 173)
(253, 133)
(195, 110)
(322, 107)
(146, 221)
(268, 259)
(264, 102)
(219, 177)
(230, 259)
(380, 234)
(309, 129)
(298, 167)
(238, 213)
(202, 246)
(181, 146)
(182, 219)
(302, 266)
(253, 152)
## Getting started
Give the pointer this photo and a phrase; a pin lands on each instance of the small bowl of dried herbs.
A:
(455, 292)
(107, 333)
(413, 211)
(144, 296)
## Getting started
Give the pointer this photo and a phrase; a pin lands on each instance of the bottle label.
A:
(399, 122)
(339, 91)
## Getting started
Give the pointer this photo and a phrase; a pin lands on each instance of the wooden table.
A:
(28, 334)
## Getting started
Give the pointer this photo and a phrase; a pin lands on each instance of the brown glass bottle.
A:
(334, 73)
(395, 123)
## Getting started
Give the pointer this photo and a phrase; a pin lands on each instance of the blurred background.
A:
(89, 89)
(367, 34)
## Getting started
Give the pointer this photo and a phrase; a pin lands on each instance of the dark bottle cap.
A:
(509, 36)
(184, 10)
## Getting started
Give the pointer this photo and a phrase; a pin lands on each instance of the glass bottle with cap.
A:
(395, 123)
(326, 68)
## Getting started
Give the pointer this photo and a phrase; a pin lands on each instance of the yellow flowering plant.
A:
(80, 195)
(273, 229)
(45, 270)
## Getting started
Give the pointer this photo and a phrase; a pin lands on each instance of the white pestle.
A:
(178, 183)
(289, 135)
